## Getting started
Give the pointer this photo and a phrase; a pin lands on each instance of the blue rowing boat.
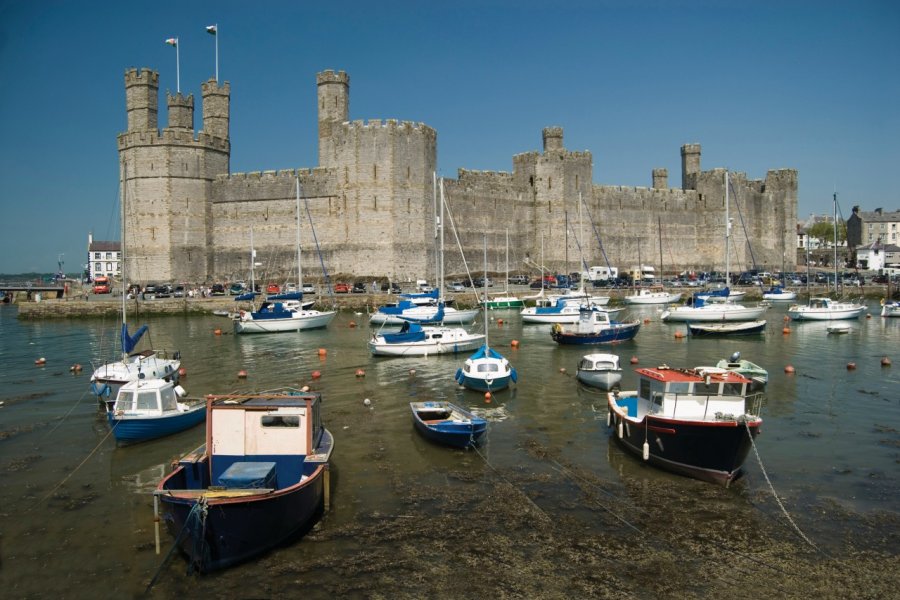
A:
(448, 424)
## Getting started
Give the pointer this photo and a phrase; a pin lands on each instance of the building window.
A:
(96, 255)
(109, 266)
(97, 267)
(109, 256)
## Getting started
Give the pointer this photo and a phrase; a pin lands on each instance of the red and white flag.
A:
(211, 29)
(172, 41)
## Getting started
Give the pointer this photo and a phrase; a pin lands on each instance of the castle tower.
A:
(553, 139)
(690, 166)
(660, 179)
(334, 109)
(216, 106)
(181, 111)
(141, 99)
(167, 177)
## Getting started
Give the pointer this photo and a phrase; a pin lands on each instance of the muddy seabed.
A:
(477, 532)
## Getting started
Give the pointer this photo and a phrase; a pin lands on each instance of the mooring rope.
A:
(774, 494)
(178, 538)
(526, 496)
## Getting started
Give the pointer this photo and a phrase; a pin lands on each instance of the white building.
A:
(879, 257)
(104, 258)
(880, 226)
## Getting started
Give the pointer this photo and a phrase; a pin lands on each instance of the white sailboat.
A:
(655, 294)
(131, 366)
(718, 305)
(274, 316)
(824, 308)
(505, 300)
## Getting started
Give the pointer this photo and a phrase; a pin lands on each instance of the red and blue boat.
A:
(595, 327)
(261, 479)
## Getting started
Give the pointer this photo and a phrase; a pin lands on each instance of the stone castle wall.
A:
(371, 201)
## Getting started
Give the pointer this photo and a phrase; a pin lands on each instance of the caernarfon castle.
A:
(371, 202)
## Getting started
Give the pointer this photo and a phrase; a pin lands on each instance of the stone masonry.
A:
(371, 202)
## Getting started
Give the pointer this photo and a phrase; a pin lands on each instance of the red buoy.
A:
(786, 330)
(242, 374)
(514, 343)
(679, 335)
(322, 351)
(182, 372)
(499, 321)
(360, 373)
(885, 361)
(316, 374)
(487, 397)
(851, 366)
(40, 361)
(352, 324)
(634, 360)
(562, 370)
(789, 370)
(217, 332)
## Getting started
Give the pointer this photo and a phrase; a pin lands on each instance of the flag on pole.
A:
(172, 41)
(211, 29)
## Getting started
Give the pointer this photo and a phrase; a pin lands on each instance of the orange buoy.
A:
(487, 397)
(646, 320)
(679, 334)
(562, 370)
(786, 318)
(885, 361)
(868, 316)
(851, 366)
(182, 372)
(316, 374)
(217, 332)
(360, 373)
(322, 351)
(40, 361)
(514, 343)
(76, 368)
(789, 370)
(352, 324)
(242, 374)
(634, 360)
(499, 321)
(786, 330)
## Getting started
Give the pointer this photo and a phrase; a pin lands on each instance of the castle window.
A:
(407, 171)
(531, 181)
(549, 183)
(374, 171)
(376, 203)
(346, 174)
(407, 205)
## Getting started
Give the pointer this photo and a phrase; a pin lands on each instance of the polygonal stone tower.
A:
(334, 109)
(166, 180)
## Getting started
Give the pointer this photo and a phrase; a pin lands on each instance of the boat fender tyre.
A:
(608, 419)
(621, 428)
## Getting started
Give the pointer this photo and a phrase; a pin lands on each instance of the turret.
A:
(660, 179)
(334, 109)
(141, 99)
(690, 166)
(181, 111)
(216, 106)
(553, 138)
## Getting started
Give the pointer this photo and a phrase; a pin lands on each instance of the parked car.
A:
(273, 288)
(237, 288)
(178, 292)
(217, 289)
(538, 284)
(341, 288)
(518, 279)
(455, 286)
(390, 288)
(290, 287)
(359, 288)
(308, 288)
(164, 291)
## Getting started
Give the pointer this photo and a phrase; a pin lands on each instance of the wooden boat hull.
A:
(133, 430)
(619, 332)
(216, 530)
(735, 328)
(712, 451)
(458, 434)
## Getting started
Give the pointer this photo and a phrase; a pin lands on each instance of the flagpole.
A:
(177, 67)
(217, 52)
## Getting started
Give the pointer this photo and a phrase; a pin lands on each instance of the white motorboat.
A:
(599, 370)
(652, 295)
(714, 309)
(825, 309)
(418, 340)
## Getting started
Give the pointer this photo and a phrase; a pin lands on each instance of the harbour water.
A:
(550, 506)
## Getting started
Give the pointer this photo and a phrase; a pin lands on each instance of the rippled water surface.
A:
(77, 514)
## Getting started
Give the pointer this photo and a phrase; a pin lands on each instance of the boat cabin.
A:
(589, 321)
(599, 362)
(147, 397)
(263, 441)
(690, 394)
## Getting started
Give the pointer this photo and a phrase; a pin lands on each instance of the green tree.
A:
(824, 233)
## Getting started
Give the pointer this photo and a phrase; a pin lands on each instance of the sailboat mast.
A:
(659, 227)
(299, 267)
(507, 262)
(437, 225)
(252, 259)
(727, 236)
(484, 285)
(834, 222)
(441, 230)
(124, 270)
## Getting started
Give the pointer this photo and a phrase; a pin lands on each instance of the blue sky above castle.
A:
(761, 85)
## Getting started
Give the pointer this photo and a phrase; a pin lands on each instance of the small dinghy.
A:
(599, 370)
(838, 328)
(447, 424)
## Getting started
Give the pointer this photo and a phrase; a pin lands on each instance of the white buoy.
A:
(180, 391)
(608, 419)
(646, 450)
(367, 402)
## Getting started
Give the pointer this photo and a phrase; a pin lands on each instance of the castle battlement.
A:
(329, 76)
(144, 76)
(389, 124)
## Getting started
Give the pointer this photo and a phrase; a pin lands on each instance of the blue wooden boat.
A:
(448, 424)
(147, 409)
(595, 327)
(260, 480)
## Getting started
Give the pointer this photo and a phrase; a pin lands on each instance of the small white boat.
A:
(274, 318)
(890, 309)
(560, 313)
(779, 294)
(838, 328)
(825, 309)
(599, 370)
(418, 340)
(653, 295)
(715, 308)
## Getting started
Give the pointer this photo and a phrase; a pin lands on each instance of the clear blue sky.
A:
(812, 85)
